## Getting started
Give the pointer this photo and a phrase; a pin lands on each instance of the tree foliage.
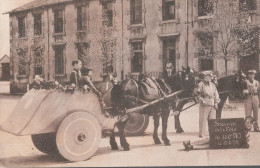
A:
(228, 25)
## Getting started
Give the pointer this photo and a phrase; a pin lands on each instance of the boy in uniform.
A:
(252, 100)
(76, 74)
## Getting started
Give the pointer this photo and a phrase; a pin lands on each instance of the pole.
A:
(187, 34)
(122, 42)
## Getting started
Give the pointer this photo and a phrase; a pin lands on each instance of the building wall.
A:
(152, 31)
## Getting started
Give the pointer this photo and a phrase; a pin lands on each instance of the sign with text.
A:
(227, 133)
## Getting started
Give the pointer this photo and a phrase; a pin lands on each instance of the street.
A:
(19, 151)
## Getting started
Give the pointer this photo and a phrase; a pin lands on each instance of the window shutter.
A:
(84, 18)
(163, 9)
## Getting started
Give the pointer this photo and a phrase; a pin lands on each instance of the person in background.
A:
(36, 82)
(252, 101)
(75, 75)
(169, 68)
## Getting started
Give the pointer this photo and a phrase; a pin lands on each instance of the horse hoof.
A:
(167, 144)
(157, 141)
(179, 130)
(126, 148)
(114, 147)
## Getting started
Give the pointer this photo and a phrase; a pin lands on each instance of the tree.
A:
(229, 25)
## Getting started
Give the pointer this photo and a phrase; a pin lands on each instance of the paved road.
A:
(19, 151)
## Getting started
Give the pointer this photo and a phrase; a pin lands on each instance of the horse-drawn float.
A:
(67, 123)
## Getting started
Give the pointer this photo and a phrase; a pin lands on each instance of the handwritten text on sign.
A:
(227, 133)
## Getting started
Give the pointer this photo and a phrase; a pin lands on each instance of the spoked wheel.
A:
(137, 124)
(78, 136)
(45, 143)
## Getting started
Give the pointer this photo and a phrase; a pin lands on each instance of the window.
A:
(81, 18)
(247, 4)
(136, 11)
(206, 52)
(169, 52)
(37, 24)
(58, 21)
(137, 57)
(168, 9)
(109, 51)
(22, 67)
(38, 63)
(83, 52)
(59, 60)
(22, 58)
(205, 7)
(21, 26)
(108, 13)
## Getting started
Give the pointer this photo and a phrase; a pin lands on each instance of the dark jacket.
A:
(87, 80)
(75, 77)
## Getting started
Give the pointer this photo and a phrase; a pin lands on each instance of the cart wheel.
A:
(45, 143)
(137, 124)
(78, 136)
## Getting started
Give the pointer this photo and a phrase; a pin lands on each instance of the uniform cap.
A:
(205, 73)
(252, 71)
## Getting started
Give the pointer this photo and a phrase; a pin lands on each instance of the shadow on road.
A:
(34, 160)
(49, 160)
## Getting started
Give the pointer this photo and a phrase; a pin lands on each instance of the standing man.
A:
(169, 68)
(76, 74)
(252, 101)
(209, 99)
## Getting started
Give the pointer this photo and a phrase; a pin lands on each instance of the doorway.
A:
(5, 71)
(169, 52)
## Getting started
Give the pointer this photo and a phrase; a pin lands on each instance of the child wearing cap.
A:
(252, 101)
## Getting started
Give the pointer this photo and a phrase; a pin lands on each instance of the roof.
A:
(37, 4)
(7, 59)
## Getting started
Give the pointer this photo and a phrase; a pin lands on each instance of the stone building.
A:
(47, 35)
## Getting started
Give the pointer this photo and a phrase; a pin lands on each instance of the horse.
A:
(184, 80)
(228, 86)
(130, 93)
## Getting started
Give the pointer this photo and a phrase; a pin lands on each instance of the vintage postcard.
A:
(116, 83)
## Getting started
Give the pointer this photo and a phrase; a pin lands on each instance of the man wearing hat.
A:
(252, 100)
(209, 99)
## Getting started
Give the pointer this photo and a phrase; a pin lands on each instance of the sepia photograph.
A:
(129, 83)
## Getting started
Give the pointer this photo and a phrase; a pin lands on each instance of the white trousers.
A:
(205, 113)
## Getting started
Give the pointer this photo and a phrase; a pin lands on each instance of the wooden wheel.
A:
(78, 136)
(45, 143)
(137, 124)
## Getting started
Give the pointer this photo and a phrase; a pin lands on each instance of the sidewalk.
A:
(4, 87)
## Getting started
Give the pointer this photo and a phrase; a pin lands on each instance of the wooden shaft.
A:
(140, 108)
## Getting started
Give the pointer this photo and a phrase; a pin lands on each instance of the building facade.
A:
(46, 36)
